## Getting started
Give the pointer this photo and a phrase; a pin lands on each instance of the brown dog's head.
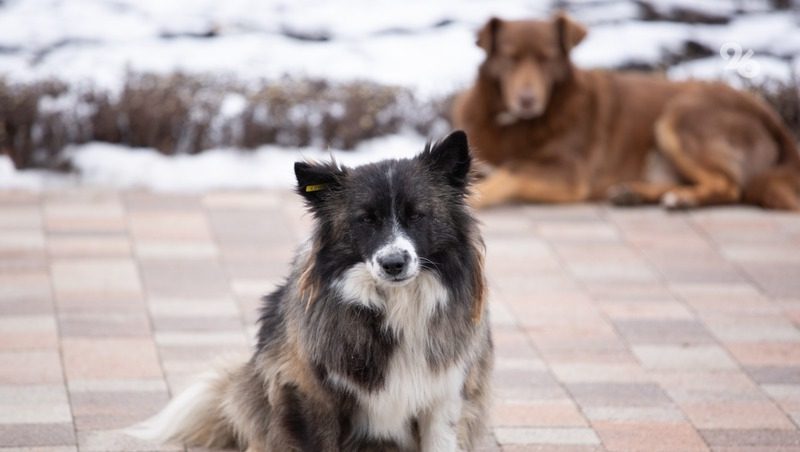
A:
(527, 58)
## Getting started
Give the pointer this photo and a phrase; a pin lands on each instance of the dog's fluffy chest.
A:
(411, 386)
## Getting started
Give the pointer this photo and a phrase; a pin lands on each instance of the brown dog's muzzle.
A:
(525, 90)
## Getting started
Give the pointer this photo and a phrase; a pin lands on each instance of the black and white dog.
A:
(379, 339)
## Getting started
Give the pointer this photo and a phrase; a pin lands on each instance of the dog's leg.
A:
(438, 425)
(302, 421)
(710, 183)
(498, 187)
(637, 193)
(560, 182)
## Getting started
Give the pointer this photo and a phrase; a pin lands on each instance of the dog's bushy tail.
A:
(778, 187)
(195, 417)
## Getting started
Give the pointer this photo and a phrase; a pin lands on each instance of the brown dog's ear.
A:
(487, 36)
(569, 32)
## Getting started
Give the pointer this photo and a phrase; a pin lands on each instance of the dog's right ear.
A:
(316, 181)
(487, 36)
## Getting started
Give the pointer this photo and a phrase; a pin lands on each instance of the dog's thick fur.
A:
(379, 339)
(556, 133)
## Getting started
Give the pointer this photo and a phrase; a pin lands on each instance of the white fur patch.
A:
(411, 388)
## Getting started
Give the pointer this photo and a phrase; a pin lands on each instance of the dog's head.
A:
(527, 58)
(394, 216)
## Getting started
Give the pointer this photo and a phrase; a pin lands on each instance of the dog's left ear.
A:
(569, 32)
(451, 157)
(316, 181)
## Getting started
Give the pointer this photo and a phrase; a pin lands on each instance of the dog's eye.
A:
(415, 216)
(367, 219)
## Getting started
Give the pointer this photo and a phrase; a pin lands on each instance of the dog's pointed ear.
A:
(487, 35)
(451, 158)
(569, 32)
(316, 181)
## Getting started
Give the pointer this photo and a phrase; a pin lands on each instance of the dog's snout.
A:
(394, 263)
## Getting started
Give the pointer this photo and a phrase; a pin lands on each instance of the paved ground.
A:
(615, 329)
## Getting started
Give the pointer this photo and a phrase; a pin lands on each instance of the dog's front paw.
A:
(623, 195)
(678, 200)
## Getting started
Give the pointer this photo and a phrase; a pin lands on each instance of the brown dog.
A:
(555, 133)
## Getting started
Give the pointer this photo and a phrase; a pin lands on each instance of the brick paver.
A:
(615, 329)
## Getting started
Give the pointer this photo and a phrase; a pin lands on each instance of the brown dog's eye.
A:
(415, 216)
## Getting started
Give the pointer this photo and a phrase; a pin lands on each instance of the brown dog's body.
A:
(555, 133)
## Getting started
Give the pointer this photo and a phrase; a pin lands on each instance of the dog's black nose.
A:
(527, 101)
(394, 264)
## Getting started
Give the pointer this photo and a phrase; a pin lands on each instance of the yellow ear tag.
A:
(318, 187)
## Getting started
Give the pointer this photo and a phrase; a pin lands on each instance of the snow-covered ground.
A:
(426, 45)
(103, 164)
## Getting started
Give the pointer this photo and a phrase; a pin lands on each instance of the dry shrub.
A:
(784, 97)
(180, 113)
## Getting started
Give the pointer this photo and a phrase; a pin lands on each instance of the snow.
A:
(422, 44)
(109, 165)
(425, 45)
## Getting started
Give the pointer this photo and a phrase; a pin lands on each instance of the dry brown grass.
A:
(784, 96)
(188, 114)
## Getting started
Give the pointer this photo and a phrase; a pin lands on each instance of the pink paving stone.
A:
(587, 351)
(618, 394)
(94, 302)
(30, 367)
(561, 413)
(84, 218)
(569, 436)
(171, 225)
(104, 324)
(12, 262)
(20, 217)
(27, 332)
(642, 310)
(649, 436)
(242, 200)
(172, 249)
(581, 372)
(34, 404)
(55, 434)
(140, 200)
(707, 385)
(98, 410)
(765, 439)
(251, 227)
(687, 357)
(203, 278)
(88, 245)
(752, 327)
(549, 448)
(16, 240)
(766, 353)
(117, 441)
(736, 414)
(110, 358)
(100, 275)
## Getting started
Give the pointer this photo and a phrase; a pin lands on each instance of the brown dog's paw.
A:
(678, 200)
(623, 195)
